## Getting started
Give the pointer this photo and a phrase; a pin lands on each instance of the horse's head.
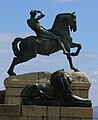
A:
(72, 21)
(67, 18)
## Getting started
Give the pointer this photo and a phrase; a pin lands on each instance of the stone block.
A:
(37, 118)
(12, 100)
(57, 113)
(75, 119)
(81, 93)
(44, 77)
(53, 111)
(77, 112)
(70, 119)
(33, 110)
(21, 80)
(52, 118)
(13, 110)
(12, 118)
(14, 91)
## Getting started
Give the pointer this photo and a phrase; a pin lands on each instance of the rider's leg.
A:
(52, 36)
(66, 49)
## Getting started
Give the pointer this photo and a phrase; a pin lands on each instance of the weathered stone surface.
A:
(40, 77)
(57, 112)
(2, 96)
(12, 118)
(81, 92)
(29, 78)
(75, 119)
(44, 77)
(13, 91)
(14, 84)
(37, 118)
(53, 112)
(78, 77)
(45, 118)
(33, 110)
(21, 80)
(13, 110)
(77, 112)
(12, 100)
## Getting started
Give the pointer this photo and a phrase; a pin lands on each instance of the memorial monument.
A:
(47, 41)
(58, 95)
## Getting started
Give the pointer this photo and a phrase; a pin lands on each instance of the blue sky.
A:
(13, 16)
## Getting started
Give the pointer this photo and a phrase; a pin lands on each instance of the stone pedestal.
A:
(13, 110)
(32, 112)
(14, 84)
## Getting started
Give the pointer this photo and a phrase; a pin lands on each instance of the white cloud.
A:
(90, 55)
(93, 75)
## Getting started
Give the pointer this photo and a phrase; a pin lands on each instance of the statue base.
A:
(33, 112)
(55, 103)
(15, 84)
(54, 110)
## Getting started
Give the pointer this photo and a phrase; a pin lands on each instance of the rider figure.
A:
(40, 30)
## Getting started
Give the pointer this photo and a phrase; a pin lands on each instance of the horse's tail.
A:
(16, 51)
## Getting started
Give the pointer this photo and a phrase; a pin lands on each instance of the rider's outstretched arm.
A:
(40, 16)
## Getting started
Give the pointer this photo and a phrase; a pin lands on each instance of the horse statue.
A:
(30, 46)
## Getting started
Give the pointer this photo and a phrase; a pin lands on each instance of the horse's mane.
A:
(57, 19)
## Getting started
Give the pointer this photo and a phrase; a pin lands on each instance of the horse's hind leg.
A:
(17, 60)
(71, 64)
(10, 70)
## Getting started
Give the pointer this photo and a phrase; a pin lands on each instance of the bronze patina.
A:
(56, 93)
(46, 42)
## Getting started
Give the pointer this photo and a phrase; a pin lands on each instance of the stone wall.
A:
(32, 112)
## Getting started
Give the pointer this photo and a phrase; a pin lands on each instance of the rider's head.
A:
(33, 13)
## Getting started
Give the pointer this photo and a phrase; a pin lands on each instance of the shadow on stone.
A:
(2, 96)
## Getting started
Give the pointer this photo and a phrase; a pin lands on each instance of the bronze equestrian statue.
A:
(46, 42)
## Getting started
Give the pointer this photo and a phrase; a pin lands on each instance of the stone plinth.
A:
(14, 84)
(32, 112)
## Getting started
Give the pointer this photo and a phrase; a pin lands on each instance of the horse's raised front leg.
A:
(71, 64)
(78, 49)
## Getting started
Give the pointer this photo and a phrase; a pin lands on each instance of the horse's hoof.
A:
(11, 73)
(73, 54)
(76, 70)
